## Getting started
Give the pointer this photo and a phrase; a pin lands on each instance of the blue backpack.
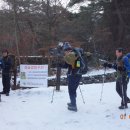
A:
(126, 60)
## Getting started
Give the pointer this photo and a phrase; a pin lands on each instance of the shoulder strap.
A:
(78, 52)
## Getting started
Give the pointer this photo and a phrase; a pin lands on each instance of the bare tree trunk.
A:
(16, 32)
(121, 28)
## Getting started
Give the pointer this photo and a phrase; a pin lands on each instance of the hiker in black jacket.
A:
(6, 75)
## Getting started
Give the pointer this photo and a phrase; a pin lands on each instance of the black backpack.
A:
(83, 59)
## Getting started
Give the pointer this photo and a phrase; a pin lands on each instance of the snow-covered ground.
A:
(31, 109)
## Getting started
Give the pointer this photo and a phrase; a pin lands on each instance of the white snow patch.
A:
(31, 109)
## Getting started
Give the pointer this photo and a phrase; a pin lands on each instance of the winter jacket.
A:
(6, 65)
(121, 66)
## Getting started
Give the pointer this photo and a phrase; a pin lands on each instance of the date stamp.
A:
(124, 116)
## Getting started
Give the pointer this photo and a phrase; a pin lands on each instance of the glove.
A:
(107, 65)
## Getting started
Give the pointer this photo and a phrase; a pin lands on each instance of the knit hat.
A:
(67, 46)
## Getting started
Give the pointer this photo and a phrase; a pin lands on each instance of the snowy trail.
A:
(31, 110)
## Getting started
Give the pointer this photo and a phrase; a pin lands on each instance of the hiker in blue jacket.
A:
(122, 66)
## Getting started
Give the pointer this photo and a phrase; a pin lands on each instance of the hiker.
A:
(76, 67)
(6, 75)
(121, 66)
(74, 75)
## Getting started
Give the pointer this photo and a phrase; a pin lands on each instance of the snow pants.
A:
(121, 88)
(73, 83)
(6, 82)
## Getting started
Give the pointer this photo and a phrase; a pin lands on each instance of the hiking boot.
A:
(2, 92)
(128, 101)
(69, 104)
(123, 107)
(72, 108)
(7, 94)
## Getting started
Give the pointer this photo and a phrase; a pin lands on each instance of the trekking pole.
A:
(82, 95)
(52, 99)
(0, 97)
(123, 97)
(103, 84)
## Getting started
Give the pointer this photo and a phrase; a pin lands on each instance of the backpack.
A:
(126, 60)
(80, 53)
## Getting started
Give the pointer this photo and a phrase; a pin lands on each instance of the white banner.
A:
(33, 75)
